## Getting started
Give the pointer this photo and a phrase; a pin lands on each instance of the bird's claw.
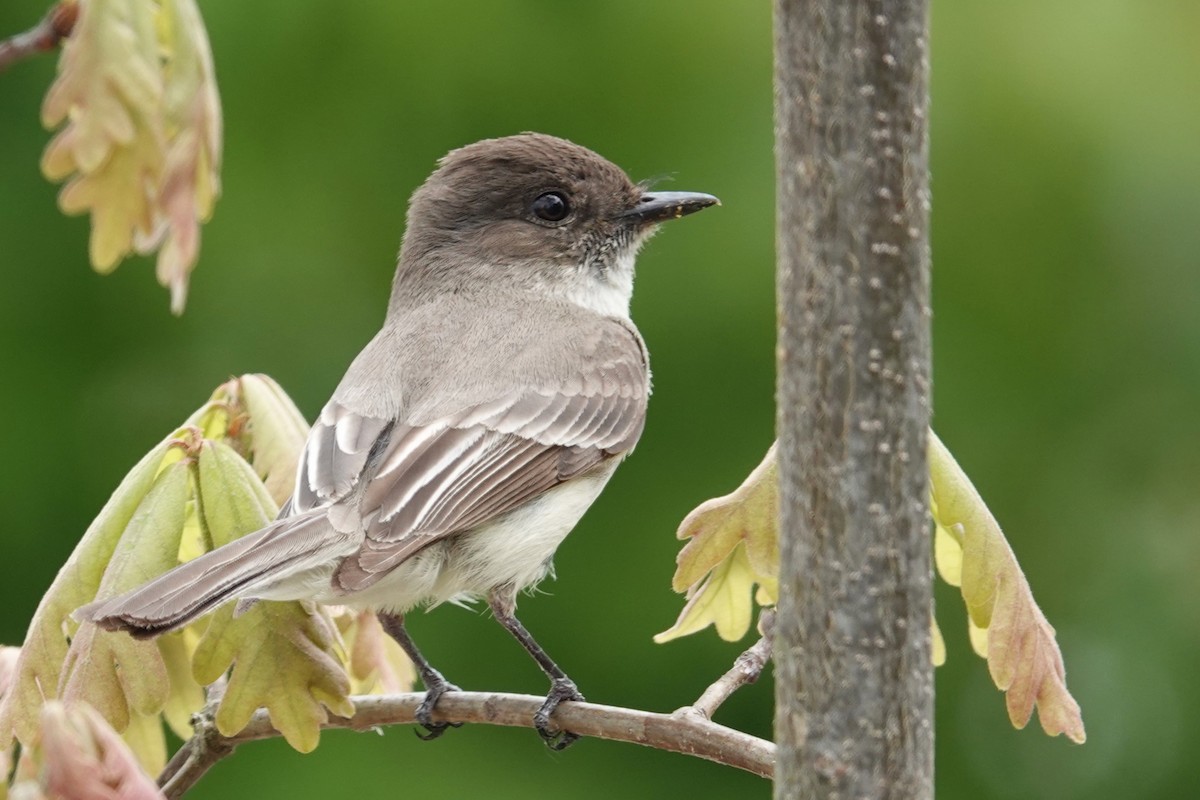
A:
(554, 737)
(435, 687)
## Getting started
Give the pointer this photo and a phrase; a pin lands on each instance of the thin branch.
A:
(681, 732)
(746, 669)
(41, 38)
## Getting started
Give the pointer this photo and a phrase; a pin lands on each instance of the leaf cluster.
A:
(733, 547)
(140, 142)
(216, 478)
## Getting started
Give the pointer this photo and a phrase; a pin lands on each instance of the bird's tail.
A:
(254, 561)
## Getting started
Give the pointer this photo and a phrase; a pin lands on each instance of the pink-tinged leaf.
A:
(1023, 657)
(377, 665)
(83, 758)
(140, 146)
(8, 666)
(190, 179)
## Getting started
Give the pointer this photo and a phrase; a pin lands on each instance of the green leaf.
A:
(1023, 657)
(187, 696)
(284, 656)
(750, 514)
(278, 432)
(723, 600)
(285, 659)
(119, 676)
(40, 664)
(232, 500)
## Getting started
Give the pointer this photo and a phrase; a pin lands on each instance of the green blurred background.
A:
(1066, 340)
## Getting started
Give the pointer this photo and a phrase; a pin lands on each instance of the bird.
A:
(471, 434)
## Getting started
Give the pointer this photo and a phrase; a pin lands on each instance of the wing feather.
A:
(406, 485)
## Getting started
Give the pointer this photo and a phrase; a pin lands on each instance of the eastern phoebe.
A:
(471, 434)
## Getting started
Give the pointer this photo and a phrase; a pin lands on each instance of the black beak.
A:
(662, 206)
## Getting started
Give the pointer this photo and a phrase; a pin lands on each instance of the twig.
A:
(746, 669)
(678, 733)
(43, 37)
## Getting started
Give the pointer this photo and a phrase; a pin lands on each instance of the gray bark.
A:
(854, 678)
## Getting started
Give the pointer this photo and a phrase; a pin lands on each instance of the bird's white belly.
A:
(513, 550)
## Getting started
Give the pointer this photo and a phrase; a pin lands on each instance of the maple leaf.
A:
(1008, 628)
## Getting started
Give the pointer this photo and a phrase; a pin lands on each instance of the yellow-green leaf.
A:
(723, 600)
(277, 432)
(947, 551)
(187, 696)
(233, 501)
(284, 659)
(147, 742)
(40, 664)
(714, 528)
(1022, 654)
(114, 673)
(284, 656)
(141, 145)
(109, 91)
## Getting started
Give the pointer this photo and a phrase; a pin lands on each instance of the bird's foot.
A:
(435, 687)
(555, 738)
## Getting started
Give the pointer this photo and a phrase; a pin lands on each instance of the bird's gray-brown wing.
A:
(407, 485)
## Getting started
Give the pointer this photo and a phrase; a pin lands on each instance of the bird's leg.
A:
(503, 603)
(435, 684)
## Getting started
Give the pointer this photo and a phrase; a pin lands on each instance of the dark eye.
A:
(551, 206)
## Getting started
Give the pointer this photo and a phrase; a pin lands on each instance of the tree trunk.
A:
(854, 677)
